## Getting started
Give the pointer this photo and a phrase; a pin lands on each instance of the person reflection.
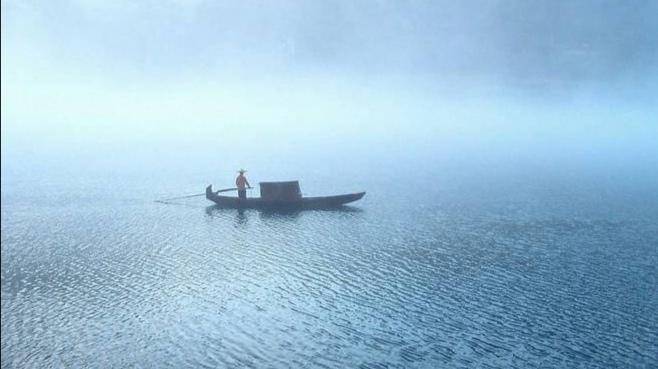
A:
(240, 218)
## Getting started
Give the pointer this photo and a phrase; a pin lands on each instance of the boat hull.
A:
(322, 202)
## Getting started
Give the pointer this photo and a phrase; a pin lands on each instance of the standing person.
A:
(242, 184)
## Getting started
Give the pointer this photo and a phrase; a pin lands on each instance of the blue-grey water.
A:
(449, 261)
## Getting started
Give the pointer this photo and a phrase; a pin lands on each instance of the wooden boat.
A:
(282, 195)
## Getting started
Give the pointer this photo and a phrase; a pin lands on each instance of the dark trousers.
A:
(242, 194)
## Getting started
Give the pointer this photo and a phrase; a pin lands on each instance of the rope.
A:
(198, 194)
(181, 197)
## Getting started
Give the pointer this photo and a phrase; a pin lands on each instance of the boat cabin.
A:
(280, 191)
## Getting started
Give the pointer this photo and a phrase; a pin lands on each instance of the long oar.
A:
(199, 194)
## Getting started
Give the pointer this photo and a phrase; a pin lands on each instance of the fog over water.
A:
(540, 81)
(537, 88)
(149, 70)
(509, 150)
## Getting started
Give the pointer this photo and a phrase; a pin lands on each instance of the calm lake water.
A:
(448, 261)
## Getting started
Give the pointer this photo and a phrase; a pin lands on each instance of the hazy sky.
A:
(129, 68)
(526, 40)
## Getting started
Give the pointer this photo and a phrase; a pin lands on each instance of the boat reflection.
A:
(242, 215)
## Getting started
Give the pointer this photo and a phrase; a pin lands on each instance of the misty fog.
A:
(540, 80)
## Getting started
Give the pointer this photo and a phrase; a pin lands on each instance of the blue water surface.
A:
(445, 263)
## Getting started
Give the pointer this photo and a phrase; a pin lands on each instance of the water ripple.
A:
(154, 285)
